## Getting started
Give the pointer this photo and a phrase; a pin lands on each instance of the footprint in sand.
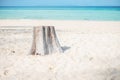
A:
(5, 72)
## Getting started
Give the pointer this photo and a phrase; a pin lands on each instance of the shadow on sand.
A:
(65, 48)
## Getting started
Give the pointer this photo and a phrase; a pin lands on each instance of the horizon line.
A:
(59, 6)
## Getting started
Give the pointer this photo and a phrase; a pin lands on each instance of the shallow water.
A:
(61, 13)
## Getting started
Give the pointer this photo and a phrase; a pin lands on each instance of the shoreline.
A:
(66, 25)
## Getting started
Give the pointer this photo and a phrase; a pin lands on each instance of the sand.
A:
(91, 51)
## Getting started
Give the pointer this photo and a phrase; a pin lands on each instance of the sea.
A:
(97, 13)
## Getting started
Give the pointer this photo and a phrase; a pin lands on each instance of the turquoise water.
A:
(61, 13)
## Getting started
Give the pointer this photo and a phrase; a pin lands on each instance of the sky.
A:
(59, 2)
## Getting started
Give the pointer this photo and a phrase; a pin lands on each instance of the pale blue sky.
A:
(59, 2)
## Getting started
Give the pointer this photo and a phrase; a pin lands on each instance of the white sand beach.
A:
(91, 51)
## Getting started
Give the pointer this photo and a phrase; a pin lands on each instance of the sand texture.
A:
(91, 51)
